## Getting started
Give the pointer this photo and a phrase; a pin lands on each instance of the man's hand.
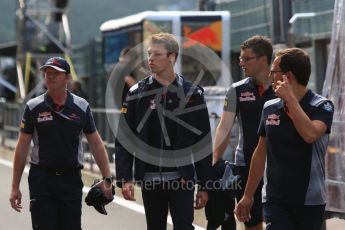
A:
(106, 188)
(128, 191)
(242, 210)
(16, 200)
(201, 199)
(283, 89)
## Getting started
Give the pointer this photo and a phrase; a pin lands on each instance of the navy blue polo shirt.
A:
(57, 135)
(243, 98)
(295, 170)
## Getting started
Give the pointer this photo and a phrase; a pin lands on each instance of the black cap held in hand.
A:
(96, 198)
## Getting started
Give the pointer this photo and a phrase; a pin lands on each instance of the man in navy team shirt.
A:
(294, 132)
(55, 122)
(244, 100)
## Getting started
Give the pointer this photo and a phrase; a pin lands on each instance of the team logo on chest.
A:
(152, 104)
(247, 96)
(44, 116)
(74, 116)
(273, 119)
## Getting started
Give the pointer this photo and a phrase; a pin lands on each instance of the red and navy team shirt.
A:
(295, 169)
(245, 99)
(57, 134)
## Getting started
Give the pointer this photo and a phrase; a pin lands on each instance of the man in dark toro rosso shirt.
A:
(244, 101)
(294, 132)
(55, 121)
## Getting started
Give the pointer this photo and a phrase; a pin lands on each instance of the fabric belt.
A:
(161, 176)
(58, 172)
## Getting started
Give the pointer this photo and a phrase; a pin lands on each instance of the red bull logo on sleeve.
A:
(247, 96)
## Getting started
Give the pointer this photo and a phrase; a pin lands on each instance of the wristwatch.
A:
(108, 179)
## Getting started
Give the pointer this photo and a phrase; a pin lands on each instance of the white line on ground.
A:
(118, 200)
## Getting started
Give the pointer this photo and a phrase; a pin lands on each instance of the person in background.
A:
(167, 182)
(244, 101)
(77, 89)
(129, 78)
(294, 132)
(55, 121)
(123, 75)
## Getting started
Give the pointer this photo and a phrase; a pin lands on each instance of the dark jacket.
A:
(164, 129)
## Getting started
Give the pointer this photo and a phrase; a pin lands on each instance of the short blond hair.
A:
(168, 40)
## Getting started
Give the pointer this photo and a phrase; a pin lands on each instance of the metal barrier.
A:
(2, 104)
(12, 114)
(335, 170)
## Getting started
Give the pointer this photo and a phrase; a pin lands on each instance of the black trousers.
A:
(55, 200)
(219, 211)
(159, 197)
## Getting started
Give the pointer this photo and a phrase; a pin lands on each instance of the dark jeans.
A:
(55, 200)
(293, 217)
(163, 196)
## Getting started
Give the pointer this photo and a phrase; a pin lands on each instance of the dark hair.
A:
(297, 61)
(77, 84)
(261, 46)
(168, 40)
